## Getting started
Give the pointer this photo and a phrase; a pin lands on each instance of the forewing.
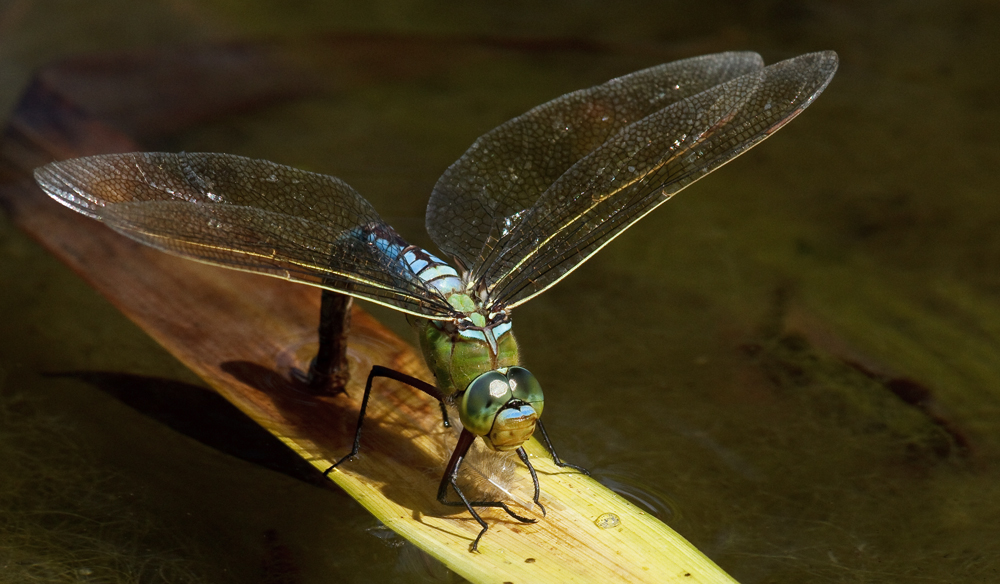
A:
(250, 215)
(485, 193)
(642, 166)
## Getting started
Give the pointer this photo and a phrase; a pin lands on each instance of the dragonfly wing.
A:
(642, 166)
(249, 215)
(486, 192)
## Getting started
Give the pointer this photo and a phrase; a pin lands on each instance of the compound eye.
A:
(526, 388)
(481, 401)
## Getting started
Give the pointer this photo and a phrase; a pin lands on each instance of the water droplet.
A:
(607, 521)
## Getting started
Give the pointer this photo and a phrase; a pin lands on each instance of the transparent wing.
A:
(639, 168)
(250, 215)
(487, 191)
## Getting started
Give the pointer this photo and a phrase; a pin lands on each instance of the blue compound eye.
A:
(481, 401)
(526, 388)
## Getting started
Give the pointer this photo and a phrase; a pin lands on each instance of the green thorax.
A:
(460, 350)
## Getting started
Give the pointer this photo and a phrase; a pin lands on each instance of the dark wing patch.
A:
(485, 194)
(634, 170)
(246, 214)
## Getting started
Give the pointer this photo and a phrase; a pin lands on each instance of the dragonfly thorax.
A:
(460, 349)
(476, 367)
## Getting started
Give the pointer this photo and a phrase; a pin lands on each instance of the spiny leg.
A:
(450, 477)
(552, 451)
(534, 478)
(451, 472)
(444, 414)
(379, 371)
(465, 441)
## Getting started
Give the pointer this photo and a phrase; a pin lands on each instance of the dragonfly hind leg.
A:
(450, 478)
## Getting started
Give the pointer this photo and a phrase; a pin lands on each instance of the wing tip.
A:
(57, 180)
(824, 63)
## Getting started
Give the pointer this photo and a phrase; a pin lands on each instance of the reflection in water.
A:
(642, 493)
(411, 561)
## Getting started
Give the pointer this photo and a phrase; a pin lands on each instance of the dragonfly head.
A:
(502, 406)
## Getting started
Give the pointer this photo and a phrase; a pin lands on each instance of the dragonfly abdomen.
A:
(412, 259)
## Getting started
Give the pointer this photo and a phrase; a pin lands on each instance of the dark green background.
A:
(734, 362)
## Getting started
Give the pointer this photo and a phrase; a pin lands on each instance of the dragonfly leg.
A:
(450, 478)
(379, 371)
(474, 546)
(534, 478)
(552, 451)
(328, 371)
(444, 414)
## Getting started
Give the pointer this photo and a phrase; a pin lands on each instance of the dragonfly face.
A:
(527, 204)
(502, 407)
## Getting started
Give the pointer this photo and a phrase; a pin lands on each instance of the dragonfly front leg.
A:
(534, 478)
(379, 371)
(552, 451)
(328, 371)
(444, 414)
(450, 477)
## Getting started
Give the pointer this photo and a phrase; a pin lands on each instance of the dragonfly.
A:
(527, 204)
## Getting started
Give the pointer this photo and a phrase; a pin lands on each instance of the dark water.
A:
(795, 363)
